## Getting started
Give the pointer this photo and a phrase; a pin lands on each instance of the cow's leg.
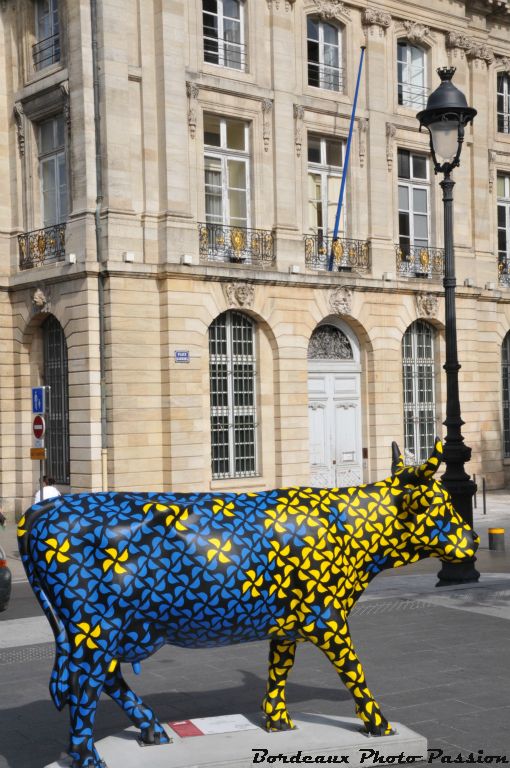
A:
(152, 732)
(336, 643)
(281, 660)
(85, 690)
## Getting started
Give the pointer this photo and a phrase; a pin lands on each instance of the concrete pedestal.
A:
(316, 737)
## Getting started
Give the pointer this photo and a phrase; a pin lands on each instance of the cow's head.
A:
(433, 526)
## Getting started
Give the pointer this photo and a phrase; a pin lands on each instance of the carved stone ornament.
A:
(458, 43)
(340, 300)
(299, 116)
(240, 294)
(375, 17)
(427, 305)
(19, 117)
(41, 300)
(329, 10)
(64, 89)
(391, 130)
(267, 111)
(287, 4)
(329, 343)
(362, 131)
(192, 91)
(504, 63)
(493, 155)
(415, 32)
(480, 53)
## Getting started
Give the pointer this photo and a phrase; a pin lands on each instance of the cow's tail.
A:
(59, 681)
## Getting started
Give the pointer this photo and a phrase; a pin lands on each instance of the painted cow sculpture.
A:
(120, 574)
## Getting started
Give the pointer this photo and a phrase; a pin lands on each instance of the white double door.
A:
(334, 407)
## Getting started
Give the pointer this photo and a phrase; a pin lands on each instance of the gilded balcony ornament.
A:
(255, 245)
(338, 250)
(400, 256)
(424, 260)
(323, 250)
(364, 254)
(203, 241)
(308, 247)
(352, 255)
(438, 262)
(220, 240)
(238, 241)
(268, 244)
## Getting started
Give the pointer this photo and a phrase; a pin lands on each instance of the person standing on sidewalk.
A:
(48, 492)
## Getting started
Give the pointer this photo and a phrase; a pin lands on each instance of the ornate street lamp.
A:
(445, 118)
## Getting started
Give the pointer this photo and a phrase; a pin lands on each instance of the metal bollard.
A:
(497, 539)
(484, 496)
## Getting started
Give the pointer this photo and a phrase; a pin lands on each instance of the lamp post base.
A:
(458, 573)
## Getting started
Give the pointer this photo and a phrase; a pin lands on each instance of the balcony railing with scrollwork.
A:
(42, 246)
(46, 52)
(348, 255)
(420, 261)
(504, 270)
(237, 245)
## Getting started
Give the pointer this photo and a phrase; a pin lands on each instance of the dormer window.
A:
(324, 55)
(411, 75)
(47, 50)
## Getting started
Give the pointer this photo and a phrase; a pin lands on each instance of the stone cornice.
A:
(475, 50)
(376, 18)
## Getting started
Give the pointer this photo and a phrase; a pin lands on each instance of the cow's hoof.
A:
(379, 730)
(154, 735)
(282, 724)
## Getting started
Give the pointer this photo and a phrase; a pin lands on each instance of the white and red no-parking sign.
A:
(38, 427)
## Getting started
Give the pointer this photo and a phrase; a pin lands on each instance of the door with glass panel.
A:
(53, 171)
(324, 55)
(325, 161)
(46, 51)
(411, 75)
(227, 184)
(504, 228)
(223, 27)
(413, 210)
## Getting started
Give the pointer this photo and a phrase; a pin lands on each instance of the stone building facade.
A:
(170, 175)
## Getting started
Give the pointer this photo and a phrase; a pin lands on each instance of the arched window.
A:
(419, 391)
(411, 75)
(324, 55)
(329, 343)
(503, 104)
(57, 419)
(232, 375)
(505, 368)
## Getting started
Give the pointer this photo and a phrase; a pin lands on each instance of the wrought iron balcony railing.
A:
(413, 96)
(504, 270)
(46, 52)
(225, 53)
(239, 245)
(419, 261)
(42, 246)
(325, 76)
(348, 255)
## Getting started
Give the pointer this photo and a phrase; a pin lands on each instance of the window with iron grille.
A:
(46, 51)
(413, 200)
(411, 75)
(325, 161)
(505, 368)
(503, 102)
(232, 374)
(324, 44)
(419, 390)
(57, 418)
(53, 171)
(223, 28)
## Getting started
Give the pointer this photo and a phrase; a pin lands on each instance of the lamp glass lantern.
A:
(445, 117)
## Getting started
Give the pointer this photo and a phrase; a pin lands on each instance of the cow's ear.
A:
(429, 467)
(397, 460)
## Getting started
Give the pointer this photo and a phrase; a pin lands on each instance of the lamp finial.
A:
(446, 73)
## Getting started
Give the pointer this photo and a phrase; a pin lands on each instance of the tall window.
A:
(232, 374)
(503, 222)
(53, 171)
(411, 75)
(55, 376)
(503, 103)
(223, 25)
(413, 201)
(227, 171)
(324, 55)
(325, 161)
(419, 394)
(46, 51)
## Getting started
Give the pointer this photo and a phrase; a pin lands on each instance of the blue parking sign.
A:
(37, 399)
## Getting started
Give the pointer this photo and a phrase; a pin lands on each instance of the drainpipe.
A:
(99, 249)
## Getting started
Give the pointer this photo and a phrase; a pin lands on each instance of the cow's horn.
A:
(397, 461)
(429, 467)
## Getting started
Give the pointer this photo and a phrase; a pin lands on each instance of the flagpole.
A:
(346, 163)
